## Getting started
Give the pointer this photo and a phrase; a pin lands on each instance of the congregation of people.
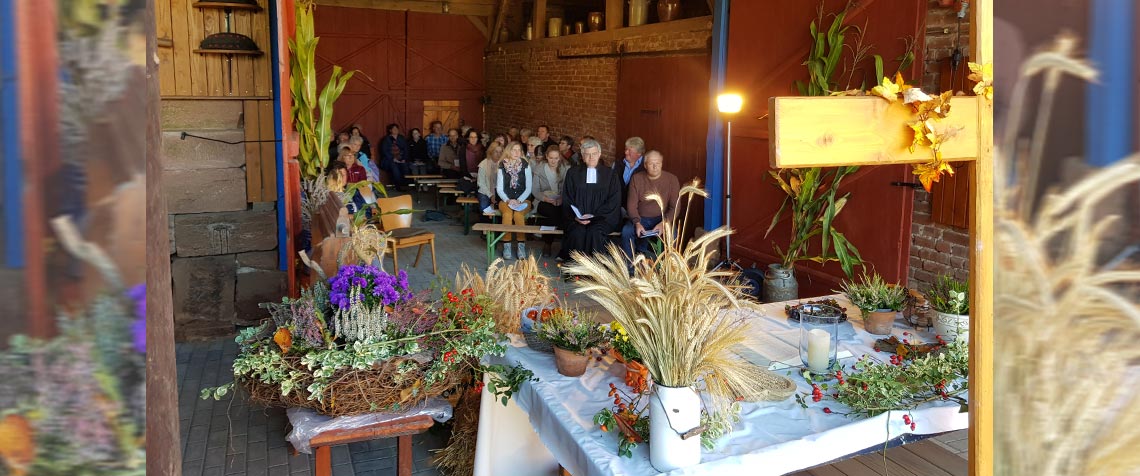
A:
(562, 182)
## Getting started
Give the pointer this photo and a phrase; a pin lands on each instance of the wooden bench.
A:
(466, 202)
(494, 233)
(444, 192)
(417, 178)
(401, 429)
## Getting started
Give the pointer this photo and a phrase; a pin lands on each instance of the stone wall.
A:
(570, 83)
(223, 248)
(935, 248)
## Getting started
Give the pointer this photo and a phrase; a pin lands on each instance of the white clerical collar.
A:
(591, 175)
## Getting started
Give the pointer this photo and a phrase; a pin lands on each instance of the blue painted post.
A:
(13, 170)
(714, 144)
(1108, 104)
(279, 148)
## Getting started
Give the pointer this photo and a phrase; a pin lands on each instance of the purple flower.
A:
(138, 329)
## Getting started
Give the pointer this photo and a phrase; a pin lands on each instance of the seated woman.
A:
(548, 177)
(591, 203)
(418, 150)
(356, 172)
(534, 150)
(489, 178)
(514, 188)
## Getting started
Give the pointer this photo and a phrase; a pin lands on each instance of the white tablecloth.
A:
(772, 438)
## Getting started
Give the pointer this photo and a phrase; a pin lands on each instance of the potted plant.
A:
(877, 300)
(950, 300)
(636, 373)
(672, 308)
(572, 334)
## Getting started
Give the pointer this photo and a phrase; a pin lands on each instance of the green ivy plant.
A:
(505, 381)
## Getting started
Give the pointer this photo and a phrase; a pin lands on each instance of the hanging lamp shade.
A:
(228, 43)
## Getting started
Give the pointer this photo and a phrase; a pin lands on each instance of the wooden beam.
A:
(500, 15)
(480, 25)
(36, 52)
(981, 434)
(165, 452)
(685, 25)
(455, 7)
(614, 14)
(539, 19)
(834, 131)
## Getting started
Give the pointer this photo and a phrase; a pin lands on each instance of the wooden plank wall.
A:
(260, 158)
(181, 27)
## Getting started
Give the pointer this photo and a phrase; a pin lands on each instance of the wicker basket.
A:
(536, 343)
(354, 392)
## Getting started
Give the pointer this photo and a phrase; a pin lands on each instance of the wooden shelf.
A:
(228, 5)
(229, 52)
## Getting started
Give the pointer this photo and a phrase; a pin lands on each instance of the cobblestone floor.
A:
(230, 437)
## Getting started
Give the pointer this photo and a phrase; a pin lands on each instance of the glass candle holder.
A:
(819, 336)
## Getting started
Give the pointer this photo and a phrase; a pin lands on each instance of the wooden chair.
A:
(401, 234)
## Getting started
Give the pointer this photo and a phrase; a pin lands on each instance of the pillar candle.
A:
(819, 350)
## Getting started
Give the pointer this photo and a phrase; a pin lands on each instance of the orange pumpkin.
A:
(532, 314)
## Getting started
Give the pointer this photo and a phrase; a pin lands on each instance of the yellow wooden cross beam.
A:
(832, 131)
(867, 130)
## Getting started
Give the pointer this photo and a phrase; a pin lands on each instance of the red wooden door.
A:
(401, 59)
(664, 100)
(768, 42)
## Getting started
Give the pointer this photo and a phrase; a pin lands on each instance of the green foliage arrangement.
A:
(875, 387)
(571, 330)
(312, 114)
(949, 295)
(505, 381)
(873, 293)
(812, 205)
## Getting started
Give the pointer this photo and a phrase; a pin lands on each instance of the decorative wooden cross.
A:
(835, 131)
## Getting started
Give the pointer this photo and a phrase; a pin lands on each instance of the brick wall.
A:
(529, 84)
(935, 248)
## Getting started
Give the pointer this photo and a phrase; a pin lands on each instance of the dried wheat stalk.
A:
(512, 287)
(673, 308)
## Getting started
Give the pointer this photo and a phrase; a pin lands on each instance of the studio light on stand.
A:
(728, 104)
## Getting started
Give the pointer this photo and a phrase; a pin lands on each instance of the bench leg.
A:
(324, 461)
(493, 238)
(404, 456)
(466, 219)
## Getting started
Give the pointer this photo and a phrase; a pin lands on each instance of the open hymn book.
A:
(579, 214)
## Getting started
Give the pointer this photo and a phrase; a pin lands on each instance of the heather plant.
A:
(573, 331)
(359, 296)
(873, 293)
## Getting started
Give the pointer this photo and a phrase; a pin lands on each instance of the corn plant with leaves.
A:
(312, 114)
(812, 204)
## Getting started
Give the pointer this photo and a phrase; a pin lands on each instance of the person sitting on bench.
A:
(591, 203)
(646, 219)
(514, 185)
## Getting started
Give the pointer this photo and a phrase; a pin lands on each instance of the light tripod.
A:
(728, 104)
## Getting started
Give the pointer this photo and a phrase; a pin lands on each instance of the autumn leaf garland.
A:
(929, 110)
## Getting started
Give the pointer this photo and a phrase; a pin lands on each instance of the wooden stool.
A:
(402, 429)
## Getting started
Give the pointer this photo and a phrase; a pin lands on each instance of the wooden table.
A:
(402, 429)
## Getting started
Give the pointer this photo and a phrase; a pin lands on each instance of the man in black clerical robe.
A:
(595, 190)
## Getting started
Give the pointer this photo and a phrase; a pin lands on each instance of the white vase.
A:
(951, 326)
(672, 412)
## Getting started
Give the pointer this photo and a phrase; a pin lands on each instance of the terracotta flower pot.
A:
(879, 322)
(569, 363)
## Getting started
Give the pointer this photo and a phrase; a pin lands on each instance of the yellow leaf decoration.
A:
(930, 172)
(890, 90)
(983, 77)
(919, 128)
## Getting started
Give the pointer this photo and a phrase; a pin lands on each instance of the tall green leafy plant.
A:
(312, 114)
(812, 199)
